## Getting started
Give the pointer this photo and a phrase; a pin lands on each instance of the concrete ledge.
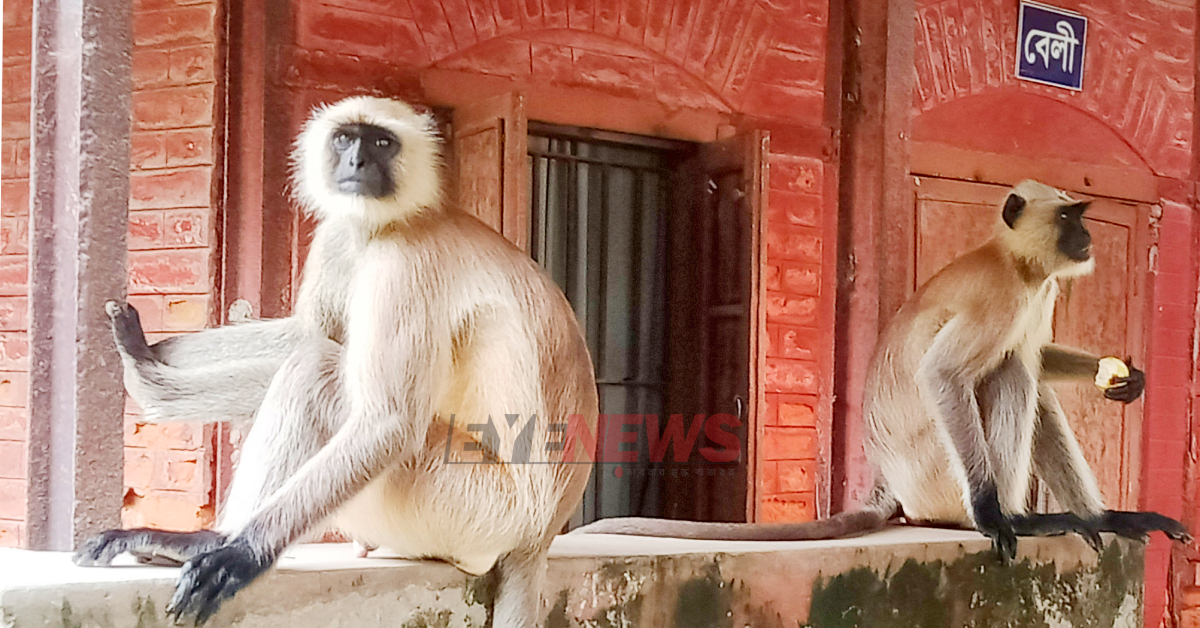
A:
(901, 577)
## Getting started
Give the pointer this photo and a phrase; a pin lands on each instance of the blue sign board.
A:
(1050, 45)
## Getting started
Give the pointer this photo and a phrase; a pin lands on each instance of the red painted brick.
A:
(14, 121)
(1172, 317)
(14, 389)
(13, 424)
(770, 414)
(552, 62)
(145, 230)
(14, 275)
(14, 313)
(177, 27)
(797, 414)
(165, 436)
(675, 88)
(771, 277)
(169, 510)
(12, 460)
(794, 310)
(151, 68)
(190, 187)
(189, 147)
(139, 468)
(790, 208)
(16, 82)
(17, 12)
(12, 533)
(1171, 283)
(784, 102)
(14, 350)
(1169, 372)
(788, 443)
(186, 313)
(193, 65)
(165, 272)
(185, 227)
(793, 243)
(801, 279)
(14, 198)
(18, 42)
(799, 175)
(503, 57)
(12, 499)
(800, 507)
(150, 308)
(324, 27)
(14, 159)
(14, 236)
(799, 343)
(787, 67)
(622, 76)
(797, 476)
(148, 150)
(173, 107)
(791, 376)
(394, 8)
(1166, 454)
(178, 471)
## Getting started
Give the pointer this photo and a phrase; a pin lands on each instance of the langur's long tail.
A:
(873, 516)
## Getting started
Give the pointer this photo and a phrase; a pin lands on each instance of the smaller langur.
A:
(414, 324)
(958, 408)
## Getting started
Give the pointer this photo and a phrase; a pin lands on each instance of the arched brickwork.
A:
(764, 58)
(1138, 77)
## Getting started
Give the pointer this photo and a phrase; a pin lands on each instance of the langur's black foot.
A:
(990, 521)
(1056, 524)
(213, 577)
(127, 330)
(1127, 389)
(149, 546)
(1139, 525)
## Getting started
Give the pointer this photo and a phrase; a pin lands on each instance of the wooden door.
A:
(489, 158)
(1100, 313)
(713, 353)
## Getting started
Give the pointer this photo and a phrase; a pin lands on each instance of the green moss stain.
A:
(146, 613)
(558, 618)
(430, 619)
(705, 601)
(977, 591)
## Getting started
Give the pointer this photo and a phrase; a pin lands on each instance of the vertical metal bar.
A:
(79, 186)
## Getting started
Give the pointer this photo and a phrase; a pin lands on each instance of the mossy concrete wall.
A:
(901, 578)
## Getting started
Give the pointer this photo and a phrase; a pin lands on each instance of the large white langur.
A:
(414, 324)
(958, 408)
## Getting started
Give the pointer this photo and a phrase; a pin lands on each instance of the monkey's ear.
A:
(1013, 206)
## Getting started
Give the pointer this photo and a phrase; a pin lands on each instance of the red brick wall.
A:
(172, 241)
(14, 240)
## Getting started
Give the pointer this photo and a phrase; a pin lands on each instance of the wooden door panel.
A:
(1097, 313)
(490, 140)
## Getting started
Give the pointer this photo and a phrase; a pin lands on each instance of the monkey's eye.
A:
(383, 142)
(1062, 215)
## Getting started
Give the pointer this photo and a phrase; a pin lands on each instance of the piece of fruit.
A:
(1110, 369)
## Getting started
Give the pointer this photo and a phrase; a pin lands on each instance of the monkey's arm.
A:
(388, 380)
(946, 379)
(218, 374)
(1061, 363)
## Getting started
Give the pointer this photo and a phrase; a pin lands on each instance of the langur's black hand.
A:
(1127, 389)
(209, 579)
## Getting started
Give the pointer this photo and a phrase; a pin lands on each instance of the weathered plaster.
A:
(912, 578)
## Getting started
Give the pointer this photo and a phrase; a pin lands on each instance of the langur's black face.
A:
(362, 160)
(1074, 241)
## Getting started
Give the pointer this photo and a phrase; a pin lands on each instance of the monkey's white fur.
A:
(412, 322)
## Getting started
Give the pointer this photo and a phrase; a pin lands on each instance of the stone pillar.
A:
(79, 196)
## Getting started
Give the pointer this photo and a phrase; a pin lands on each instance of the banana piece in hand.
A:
(1110, 369)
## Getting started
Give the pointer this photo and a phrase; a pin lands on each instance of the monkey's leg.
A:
(1007, 407)
(382, 427)
(947, 386)
(218, 374)
(519, 577)
(275, 447)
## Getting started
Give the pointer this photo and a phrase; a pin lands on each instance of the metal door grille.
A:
(597, 225)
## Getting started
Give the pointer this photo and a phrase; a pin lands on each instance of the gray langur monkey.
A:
(415, 323)
(958, 408)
